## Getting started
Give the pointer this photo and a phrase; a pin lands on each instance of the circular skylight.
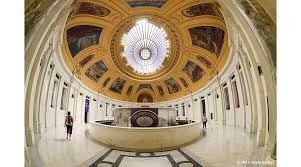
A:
(145, 53)
(145, 47)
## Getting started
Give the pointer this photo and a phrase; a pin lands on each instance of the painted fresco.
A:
(194, 71)
(184, 82)
(145, 98)
(203, 9)
(161, 92)
(81, 37)
(117, 86)
(106, 82)
(151, 3)
(96, 71)
(208, 37)
(204, 61)
(172, 85)
(86, 60)
(89, 9)
(146, 86)
(129, 91)
(264, 24)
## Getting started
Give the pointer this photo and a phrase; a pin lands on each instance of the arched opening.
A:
(144, 98)
(87, 109)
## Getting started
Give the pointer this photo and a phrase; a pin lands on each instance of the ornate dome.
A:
(161, 51)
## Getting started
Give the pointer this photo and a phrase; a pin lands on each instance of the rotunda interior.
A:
(150, 82)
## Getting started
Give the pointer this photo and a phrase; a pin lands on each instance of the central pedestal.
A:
(144, 117)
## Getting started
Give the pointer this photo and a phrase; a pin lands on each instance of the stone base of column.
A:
(261, 137)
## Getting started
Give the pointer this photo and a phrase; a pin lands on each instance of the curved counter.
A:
(145, 139)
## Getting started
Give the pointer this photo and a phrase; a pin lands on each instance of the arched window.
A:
(203, 106)
(63, 98)
(183, 109)
(54, 94)
(236, 97)
(107, 105)
(243, 86)
(226, 98)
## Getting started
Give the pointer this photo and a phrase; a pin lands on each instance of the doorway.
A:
(87, 102)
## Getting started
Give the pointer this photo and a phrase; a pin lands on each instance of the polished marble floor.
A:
(222, 146)
(111, 157)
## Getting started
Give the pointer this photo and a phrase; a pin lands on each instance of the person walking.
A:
(69, 125)
(204, 120)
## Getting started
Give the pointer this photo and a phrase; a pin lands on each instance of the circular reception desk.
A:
(145, 139)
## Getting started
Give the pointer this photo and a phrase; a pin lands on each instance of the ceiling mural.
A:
(204, 61)
(86, 60)
(194, 71)
(89, 9)
(81, 37)
(117, 85)
(96, 71)
(203, 9)
(97, 55)
(106, 82)
(183, 82)
(145, 98)
(151, 3)
(208, 37)
(160, 90)
(146, 86)
(129, 91)
(172, 85)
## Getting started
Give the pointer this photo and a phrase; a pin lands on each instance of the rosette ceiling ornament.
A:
(145, 47)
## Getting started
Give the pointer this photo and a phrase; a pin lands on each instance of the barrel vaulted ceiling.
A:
(93, 47)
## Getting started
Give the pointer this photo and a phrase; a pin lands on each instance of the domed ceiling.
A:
(145, 50)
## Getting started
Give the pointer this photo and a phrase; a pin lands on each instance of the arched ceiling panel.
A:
(89, 8)
(96, 71)
(106, 82)
(84, 61)
(149, 3)
(145, 86)
(81, 37)
(172, 85)
(160, 90)
(117, 85)
(145, 98)
(185, 84)
(208, 37)
(194, 71)
(203, 9)
(129, 90)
